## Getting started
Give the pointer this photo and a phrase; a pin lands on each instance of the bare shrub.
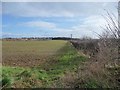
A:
(105, 66)
(87, 45)
(109, 43)
(109, 48)
(103, 70)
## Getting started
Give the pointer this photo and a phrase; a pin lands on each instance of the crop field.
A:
(38, 64)
(29, 53)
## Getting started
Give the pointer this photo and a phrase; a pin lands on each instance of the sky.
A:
(54, 19)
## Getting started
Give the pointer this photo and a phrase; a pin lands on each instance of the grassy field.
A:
(37, 63)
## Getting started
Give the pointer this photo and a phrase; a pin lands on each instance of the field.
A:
(29, 53)
(37, 63)
(56, 64)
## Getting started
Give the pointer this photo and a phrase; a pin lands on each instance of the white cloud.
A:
(59, 0)
(89, 12)
(48, 9)
(90, 25)
(6, 34)
(35, 10)
(104, 4)
(39, 24)
(95, 20)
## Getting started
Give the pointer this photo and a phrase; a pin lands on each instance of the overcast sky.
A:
(38, 19)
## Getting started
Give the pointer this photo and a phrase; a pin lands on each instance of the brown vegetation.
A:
(103, 67)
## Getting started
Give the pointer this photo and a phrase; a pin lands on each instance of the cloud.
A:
(54, 9)
(35, 10)
(39, 24)
(60, 19)
(89, 26)
(6, 34)
(95, 20)
(0, 8)
(59, 0)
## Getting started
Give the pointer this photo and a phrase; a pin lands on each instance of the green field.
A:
(37, 63)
